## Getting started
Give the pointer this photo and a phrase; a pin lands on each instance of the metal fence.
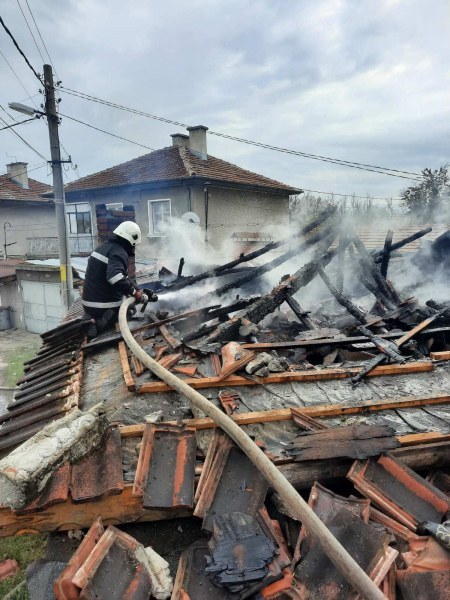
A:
(46, 247)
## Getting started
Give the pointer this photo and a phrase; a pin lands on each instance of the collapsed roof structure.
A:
(349, 400)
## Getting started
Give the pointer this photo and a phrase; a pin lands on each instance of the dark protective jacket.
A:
(107, 282)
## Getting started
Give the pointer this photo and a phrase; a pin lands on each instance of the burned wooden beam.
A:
(386, 253)
(378, 360)
(368, 265)
(300, 313)
(378, 255)
(268, 303)
(218, 313)
(321, 234)
(366, 282)
(222, 269)
(345, 302)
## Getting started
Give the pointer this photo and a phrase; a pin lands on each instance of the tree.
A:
(429, 199)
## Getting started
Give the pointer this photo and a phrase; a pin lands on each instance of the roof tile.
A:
(173, 162)
(10, 190)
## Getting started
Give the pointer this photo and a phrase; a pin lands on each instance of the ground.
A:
(17, 346)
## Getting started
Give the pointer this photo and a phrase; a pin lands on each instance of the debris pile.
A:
(349, 399)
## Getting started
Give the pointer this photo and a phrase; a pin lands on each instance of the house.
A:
(180, 185)
(26, 216)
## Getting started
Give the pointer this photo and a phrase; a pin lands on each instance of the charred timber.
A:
(378, 255)
(345, 302)
(222, 269)
(368, 264)
(268, 303)
(386, 253)
(257, 272)
(299, 312)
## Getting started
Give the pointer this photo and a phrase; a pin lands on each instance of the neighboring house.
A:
(166, 184)
(25, 214)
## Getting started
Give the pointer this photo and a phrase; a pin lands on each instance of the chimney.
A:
(18, 173)
(197, 141)
(180, 139)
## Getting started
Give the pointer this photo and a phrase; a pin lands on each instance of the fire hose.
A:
(291, 498)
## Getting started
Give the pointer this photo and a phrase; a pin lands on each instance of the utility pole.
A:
(58, 189)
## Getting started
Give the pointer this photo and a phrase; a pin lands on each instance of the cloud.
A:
(357, 80)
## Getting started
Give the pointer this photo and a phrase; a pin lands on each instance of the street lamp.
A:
(58, 184)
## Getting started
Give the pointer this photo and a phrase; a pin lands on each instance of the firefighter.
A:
(107, 283)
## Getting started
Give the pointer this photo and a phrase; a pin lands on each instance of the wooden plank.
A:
(445, 355)
(360, 339)
(431, 437)
(321, 410)
(170, 339)
(123, 508)
(129, 381)
(417, 457)
(169, 360)
(312, 375)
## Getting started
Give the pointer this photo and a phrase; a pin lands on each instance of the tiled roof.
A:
(174, 162)
(10, 190)
(373, 236)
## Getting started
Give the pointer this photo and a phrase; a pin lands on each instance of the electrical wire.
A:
(29, 97)
(17, 123)
(368, 197)
(2, 23)
(341, 162)
(20, 137)
(42, 39)
(29, 29)
(107, 132)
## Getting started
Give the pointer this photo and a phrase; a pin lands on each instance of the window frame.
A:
(75, 215)
(151, 229)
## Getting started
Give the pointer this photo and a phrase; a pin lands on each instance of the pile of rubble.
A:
(349, 401)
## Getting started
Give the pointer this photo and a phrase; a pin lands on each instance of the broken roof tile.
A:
(99, 473)
(64, 588)
(233, 484)
(326, 505)
(56, 490)
(317, 577)
(399, 491)
(166, 467)
(425, 585)
(426, 554)
(191, 582)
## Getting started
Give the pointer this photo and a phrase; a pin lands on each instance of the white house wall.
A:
(26, 222)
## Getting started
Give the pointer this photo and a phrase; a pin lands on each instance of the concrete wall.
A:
(26, 222)
(10, 295)
(229, 211)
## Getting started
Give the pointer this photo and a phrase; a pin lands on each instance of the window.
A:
(79, 216)
(159, 217)
(114, 206)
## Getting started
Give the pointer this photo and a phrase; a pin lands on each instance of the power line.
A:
(368, 197)
(352, 164)
(2, 23)
(20, 137)
(17, 123)
(107, 132)
(29, 29)
(29, 97)
(42, 39)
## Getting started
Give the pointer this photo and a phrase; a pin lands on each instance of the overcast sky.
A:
(357, 80)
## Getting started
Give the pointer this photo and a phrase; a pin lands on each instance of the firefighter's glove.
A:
(140, 296)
